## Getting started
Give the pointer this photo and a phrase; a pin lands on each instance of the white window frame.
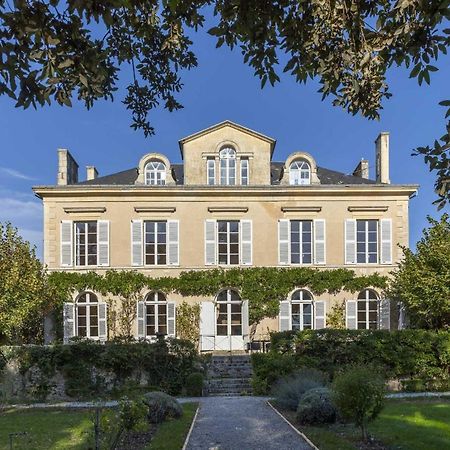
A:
(86, 243)
(366, 241)
(155, 243)
(156, 303)
(87, 304)
(228, 243)
(227, 157)
(229, 302)
(296, 169)
(245, 167)
(302, 302)
(210, 166)
(301, 222)
(155, 173)
(367, 301)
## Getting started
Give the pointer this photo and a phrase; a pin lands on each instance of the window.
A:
(301, 310)
(227, 166)
(155, 314)
(299, 173)
(244, 171)
(155, 173)
(229, 313)
(211, 171)
(155, 249)
(86, 243)
(228, 241)
(87, 315)
(301, 241)
(367, 241)
(368, 306)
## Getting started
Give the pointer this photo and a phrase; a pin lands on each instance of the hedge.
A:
(94, 369)
(419, 358)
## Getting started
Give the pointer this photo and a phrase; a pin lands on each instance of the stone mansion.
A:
(227, 204)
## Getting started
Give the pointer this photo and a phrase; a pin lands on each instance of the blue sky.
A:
(222, 87)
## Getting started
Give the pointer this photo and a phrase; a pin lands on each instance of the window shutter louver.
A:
(68, 321)
(245, 320)
(386, 241)
(103, 243)
(351, 307)
(283, 242)
(141, 320)
(66, 243)
(210, 242)
(285, 315)
(385, 314)
(173, 242)
(319, 315)
(246, 242)
(207, 325)
(171, 318)
(350, 241)
(319, 241)
(102, 321)
(136, 243)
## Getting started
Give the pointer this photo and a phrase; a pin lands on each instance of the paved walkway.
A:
(241, 423)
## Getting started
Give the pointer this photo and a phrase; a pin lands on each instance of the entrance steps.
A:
(229, 375)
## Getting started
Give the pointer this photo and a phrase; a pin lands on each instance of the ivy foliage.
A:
(263, 287)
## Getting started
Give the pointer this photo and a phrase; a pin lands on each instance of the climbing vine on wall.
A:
(263, 287)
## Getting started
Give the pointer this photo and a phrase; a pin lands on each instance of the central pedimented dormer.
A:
(227, 154)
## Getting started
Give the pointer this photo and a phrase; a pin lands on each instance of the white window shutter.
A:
(103, 242)
(173, 242)
(385, 314)
(319, 315)
(245, 319)
(207, 325)
(350, 241)
(171, 313)
(351, 310)
(386, 241)
(136, 243)
(141, 320)
(102, 321)
(66, 239)
(283, 241)
(319, 241)
(210, 242)
(68, 321)
(246, 242)
(285, 315)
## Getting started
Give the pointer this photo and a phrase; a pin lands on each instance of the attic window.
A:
(299, 173)
(155, 173)
(227, 166)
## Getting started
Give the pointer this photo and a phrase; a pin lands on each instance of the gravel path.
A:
(241, 423)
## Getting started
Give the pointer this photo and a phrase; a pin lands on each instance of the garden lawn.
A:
(73, 429)
(414, 424)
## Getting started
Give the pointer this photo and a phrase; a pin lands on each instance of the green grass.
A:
(72, 429)
(171, 434)
(414, 424)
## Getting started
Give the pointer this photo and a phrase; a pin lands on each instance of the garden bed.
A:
(73, 429)
(413, 424)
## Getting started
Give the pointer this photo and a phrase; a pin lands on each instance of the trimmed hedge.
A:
(93, 369)
(418, 357)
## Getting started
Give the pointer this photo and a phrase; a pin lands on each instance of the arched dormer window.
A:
(299, 173)
(301, 310)
(86, 315)
(155, 172)
(227, 158)
(368, 310)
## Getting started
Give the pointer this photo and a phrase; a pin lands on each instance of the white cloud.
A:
(14, 209)
(15, 173)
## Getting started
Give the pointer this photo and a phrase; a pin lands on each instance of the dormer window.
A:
(299, 173)
(155, 173)
(227, 166)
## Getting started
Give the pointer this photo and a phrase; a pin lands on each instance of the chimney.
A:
(362, 169)
(382, 158)
(67, 168)
(91, 173)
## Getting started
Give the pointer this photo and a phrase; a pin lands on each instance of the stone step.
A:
(229, 382)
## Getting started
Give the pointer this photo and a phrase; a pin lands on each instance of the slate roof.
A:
(326, 176)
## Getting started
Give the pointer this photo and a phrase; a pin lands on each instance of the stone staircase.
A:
(229, 375)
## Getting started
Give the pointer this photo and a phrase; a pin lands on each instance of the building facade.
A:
(227, 205)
